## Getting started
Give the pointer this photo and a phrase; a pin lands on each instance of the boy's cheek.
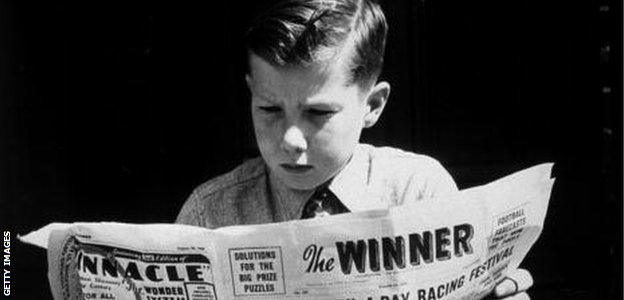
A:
(266, 145)
(332, 153)
(338, 140)
(265, 134)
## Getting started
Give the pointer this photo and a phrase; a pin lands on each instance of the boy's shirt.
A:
(374, 178)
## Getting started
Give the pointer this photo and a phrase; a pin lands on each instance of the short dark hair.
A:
(298, 32)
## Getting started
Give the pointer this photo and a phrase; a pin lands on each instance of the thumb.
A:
(516, 281)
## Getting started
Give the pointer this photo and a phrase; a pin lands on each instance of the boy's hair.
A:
(299, 32)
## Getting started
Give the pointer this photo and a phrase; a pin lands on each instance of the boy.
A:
(313, 70)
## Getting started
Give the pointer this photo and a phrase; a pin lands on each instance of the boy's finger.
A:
(521, 296)
(517, 281)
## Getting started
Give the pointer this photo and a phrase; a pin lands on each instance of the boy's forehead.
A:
(316, 79)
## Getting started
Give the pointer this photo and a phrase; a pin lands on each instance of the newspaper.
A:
(457, 247)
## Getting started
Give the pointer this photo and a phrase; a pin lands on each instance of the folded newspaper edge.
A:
(454, 247)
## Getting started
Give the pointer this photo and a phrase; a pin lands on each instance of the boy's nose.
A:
(294, 140)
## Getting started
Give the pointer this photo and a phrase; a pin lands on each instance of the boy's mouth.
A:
(296, 169)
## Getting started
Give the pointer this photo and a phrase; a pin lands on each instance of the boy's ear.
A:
(248, 81)
(375, 102)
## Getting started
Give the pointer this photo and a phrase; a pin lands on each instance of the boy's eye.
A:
(270, 109)
(320, 112)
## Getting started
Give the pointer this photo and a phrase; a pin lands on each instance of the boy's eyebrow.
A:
(259, 92)
(322, 101)
(267, 99)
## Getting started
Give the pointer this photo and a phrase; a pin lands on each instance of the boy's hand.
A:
(514, 286)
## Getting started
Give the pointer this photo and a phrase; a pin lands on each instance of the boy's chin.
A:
(299, 185)
(302, 182)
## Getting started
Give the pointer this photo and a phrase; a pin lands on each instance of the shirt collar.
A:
(290, 201)
(353, 185)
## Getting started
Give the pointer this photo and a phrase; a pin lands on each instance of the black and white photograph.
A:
(311, 149)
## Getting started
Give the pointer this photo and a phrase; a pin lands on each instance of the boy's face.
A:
(307, 120)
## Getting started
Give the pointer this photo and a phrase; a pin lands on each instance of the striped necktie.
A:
(323, 203)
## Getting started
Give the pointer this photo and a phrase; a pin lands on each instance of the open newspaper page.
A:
(457, 247)
(128, 261)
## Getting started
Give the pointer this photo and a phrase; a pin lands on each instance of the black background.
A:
(116, 111)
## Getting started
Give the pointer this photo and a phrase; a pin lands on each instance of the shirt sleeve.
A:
(190, 213)
(441, 182)
(428, 179)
